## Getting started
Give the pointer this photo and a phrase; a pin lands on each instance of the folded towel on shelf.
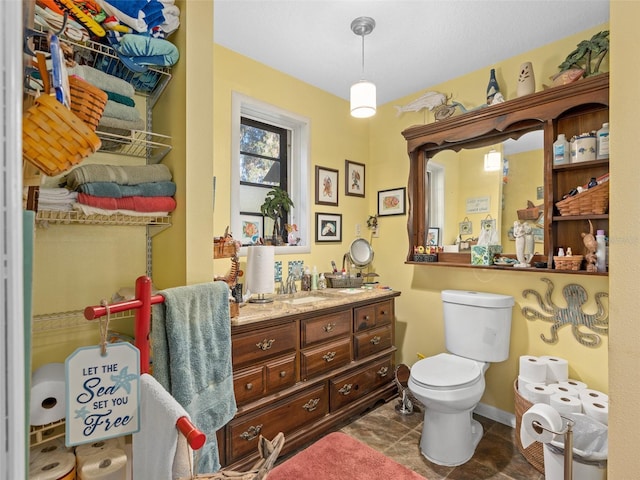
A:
(191, 338)
(159, 450)
(141, 15)
(121, 174)
(118, 127)
(145, 50)
(116, 97)
(102, 80)
(137, 204)
(114, 190)
(89, 210)
(121, 112)
(56, 199)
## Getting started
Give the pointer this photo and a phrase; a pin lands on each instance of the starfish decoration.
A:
(82, 413)
(123, 379)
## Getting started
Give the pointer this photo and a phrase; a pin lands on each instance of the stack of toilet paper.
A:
(103, 460)
(545, 379)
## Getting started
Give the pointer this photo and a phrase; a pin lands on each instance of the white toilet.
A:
(477, 330)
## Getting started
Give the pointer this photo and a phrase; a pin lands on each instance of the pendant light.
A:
(363, 93)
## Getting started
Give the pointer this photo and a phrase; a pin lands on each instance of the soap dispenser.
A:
(314, 278)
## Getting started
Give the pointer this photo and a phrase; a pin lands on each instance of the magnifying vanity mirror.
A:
(360, 254)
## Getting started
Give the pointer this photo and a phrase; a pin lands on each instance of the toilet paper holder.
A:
(568, 443)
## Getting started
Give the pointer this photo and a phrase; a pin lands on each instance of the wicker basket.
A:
(572, 262)
(593, 201)
(342, 281)
(532, 212)
(53, 138)
(534, 453)
(87, 101)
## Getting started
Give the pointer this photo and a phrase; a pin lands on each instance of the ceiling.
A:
(415, 44)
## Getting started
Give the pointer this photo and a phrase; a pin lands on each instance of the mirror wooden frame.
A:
(543, 110)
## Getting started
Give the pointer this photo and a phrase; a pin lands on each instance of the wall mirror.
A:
(463, 186)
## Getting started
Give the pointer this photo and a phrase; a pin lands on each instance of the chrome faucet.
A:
(291, 283)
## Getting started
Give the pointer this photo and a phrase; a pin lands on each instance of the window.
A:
(435, 181)
(270, 147)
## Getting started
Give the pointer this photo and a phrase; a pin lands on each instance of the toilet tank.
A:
(477, 325)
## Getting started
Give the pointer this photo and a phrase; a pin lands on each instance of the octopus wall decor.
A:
(573, 314)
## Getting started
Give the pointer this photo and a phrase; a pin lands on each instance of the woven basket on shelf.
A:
(534, 453)
(593, 201)
(53, 138)
(572, 262)
(87, 101)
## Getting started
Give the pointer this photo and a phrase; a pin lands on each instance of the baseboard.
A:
(493, 413)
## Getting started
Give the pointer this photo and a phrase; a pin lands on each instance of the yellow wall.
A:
(419, 327)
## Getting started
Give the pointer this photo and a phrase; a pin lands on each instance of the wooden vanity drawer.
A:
(264, 343)
(325, 328)
(372, 341)
(248, 384)
(281, 373)
(372, 316)
(285, 417)
(351, 386)
(321, 359)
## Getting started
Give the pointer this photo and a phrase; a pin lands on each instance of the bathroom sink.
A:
(306, 299)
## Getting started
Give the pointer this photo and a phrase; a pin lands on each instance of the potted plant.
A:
(277, 204)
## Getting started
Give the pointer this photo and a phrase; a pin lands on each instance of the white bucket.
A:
(554, 468)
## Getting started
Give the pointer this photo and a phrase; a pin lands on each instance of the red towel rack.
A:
(142, 305)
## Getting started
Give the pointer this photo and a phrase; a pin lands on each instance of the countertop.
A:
(302, 302)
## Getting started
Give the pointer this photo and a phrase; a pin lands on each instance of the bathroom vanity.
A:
(305, 364)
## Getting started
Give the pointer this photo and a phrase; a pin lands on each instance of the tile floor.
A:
(398, 437)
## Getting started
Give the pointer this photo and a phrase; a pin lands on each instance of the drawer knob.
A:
(366, 317)
(375, 340)
(329, 356)
(249, 386)
(346, 389)
(265, 344)
(328, 327)
(251, 433)
(283, 374)
(383, 312)
(383, 371)
(311, 405)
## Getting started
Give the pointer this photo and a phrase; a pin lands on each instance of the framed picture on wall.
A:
(251, 228)
(328, 227)
(353, 179)
(392, 202)
(326, 186)
(433, 237)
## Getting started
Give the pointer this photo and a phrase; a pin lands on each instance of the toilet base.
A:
(449, 439)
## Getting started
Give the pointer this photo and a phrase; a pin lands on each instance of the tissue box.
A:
(483, 254)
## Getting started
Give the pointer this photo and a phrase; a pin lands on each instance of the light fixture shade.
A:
(492, 161)
(363, 99)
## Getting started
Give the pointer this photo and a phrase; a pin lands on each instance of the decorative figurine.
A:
(590, 248)
(526, 80)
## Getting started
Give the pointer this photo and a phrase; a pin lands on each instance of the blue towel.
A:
(191, 339)
(115, 190)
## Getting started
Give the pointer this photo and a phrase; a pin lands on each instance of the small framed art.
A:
(326, 186)
(328, 227)
(433, 237)
(392, 202)
(353, 179)
(250, 228)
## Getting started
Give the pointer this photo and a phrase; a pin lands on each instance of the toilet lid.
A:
(446, 371)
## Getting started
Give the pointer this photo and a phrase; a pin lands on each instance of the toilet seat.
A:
(446, 371)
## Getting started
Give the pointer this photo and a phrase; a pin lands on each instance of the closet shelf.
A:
(148, 145)
(44, 433)
(63, 320)
(45, 217)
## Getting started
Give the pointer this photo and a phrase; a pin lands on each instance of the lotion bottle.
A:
(561, 150)
(314, 278)
(601, 252)
(602, 140)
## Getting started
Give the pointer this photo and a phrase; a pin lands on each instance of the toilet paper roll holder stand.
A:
(568, 443)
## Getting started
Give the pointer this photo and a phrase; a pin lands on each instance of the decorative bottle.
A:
(601, 251)
(492, 87)
(526, 80)
(561, 150)
(602, 141)
(314, 279)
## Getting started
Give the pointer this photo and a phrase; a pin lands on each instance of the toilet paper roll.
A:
(88, 450)
(589, 395)
(575, 384)
(538, 393)
(106, 465)
(563, 389)
(557, 369)
(536, 423)
(48, 395)
(533, 369)
(56, 465)
(522, 385)
(565, 403)
(55, 445)
(597, 410)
